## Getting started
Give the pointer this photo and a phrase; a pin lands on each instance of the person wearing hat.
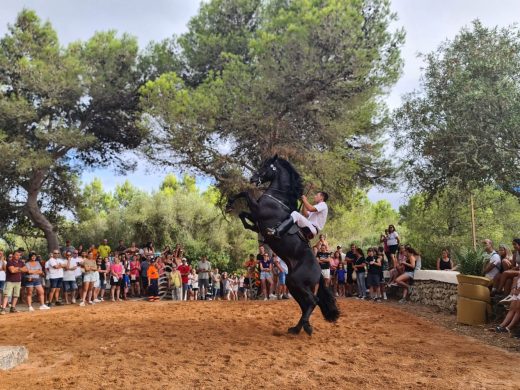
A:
(185, 270)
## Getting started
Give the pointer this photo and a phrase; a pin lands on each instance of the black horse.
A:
(275, 205)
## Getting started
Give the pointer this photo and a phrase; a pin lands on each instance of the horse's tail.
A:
(327, 302)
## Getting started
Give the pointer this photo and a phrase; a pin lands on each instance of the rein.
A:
(278, 201)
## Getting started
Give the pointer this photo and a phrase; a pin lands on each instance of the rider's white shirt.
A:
(319, 217)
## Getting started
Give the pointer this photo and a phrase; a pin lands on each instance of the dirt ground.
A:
(221, 345)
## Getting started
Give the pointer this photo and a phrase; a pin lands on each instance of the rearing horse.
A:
(275, 205)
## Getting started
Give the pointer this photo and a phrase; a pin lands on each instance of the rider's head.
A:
(321, 197)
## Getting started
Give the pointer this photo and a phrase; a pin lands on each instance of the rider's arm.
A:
(307, 205)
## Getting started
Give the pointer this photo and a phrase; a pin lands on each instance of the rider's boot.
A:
(280, 229)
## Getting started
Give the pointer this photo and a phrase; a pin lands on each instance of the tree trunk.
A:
(32, 210)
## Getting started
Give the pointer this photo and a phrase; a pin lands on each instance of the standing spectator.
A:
(153, 282)
(89, 278)
(375, 265)
(99, 285)
(324, 260)
(69, 278)
(384, 240)
(341, 277)
(282, 276)
(235, 285)
(266, 272)
(216, 278)
(14, 271)
(334, 263)
(250, 266)
(241, 286)
(148, 249)
(135, 274)
(126, 283)
(493, 267)
(55, 267)
(359, 266)
(350, 258)
(145, 263)
(104, 273)
(33, 279)
(392, 240)
(78, 272)
(132, 250)
(226, 286)
(322, 241)
(412, 264)
(444, 262)
(116, 279)
(175, 283)
(67, 248)
(382, 284)
(103, 249)
(184, 269)
(121, 248)
(203, 270)
(3, 265)
(194, 279)
(93, 250)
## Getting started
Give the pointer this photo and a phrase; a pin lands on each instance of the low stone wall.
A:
(435, 293)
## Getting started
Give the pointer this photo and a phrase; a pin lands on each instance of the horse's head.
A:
(267, 171)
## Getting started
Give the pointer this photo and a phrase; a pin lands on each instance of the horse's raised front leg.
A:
(246, 218)
(234, 198)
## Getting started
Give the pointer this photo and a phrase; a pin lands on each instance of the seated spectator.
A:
(412, 264)
(444, 262)
(511, 271)
(398, 267)
(513, 315)
(493, 267)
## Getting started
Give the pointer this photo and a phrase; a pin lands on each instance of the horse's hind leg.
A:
(307, 301)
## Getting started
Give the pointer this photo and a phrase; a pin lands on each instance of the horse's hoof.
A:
(294, 330)
(308, 329)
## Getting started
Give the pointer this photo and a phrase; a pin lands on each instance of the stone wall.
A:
(434, 293)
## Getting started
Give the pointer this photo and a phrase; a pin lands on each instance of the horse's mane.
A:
(296, 180)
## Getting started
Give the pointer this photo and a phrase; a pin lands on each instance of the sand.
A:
(218, 345)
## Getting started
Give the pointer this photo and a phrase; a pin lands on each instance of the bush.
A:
(470, 261)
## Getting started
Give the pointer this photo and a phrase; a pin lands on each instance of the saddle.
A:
(304, 233)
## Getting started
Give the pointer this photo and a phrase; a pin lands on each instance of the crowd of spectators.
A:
(88, 276)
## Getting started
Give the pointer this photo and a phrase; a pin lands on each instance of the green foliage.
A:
(471, 262)
(361, 222)
(167, 217)
(445, 221)
(61, 109)
(461, 128)
(301, 78)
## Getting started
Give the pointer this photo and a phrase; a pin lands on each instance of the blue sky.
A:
(427, 24)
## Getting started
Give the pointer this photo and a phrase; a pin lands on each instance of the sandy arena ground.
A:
(220, 345)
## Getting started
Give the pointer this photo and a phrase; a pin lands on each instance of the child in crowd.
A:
(234, 287)
(226, 286)
(384, 262)
(126, 284)
(153, 282)
(194, 280)
(341, 275)
(216, 278)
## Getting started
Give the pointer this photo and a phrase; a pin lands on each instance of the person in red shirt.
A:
(185, 270)
(15, 268)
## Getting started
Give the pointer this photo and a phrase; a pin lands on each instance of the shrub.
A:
(470, 261)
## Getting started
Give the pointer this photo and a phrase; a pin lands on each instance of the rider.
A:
(313, 218)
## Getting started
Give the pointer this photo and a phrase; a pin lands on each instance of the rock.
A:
(11, 356)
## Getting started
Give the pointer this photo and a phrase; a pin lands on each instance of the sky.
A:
(427, 23)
